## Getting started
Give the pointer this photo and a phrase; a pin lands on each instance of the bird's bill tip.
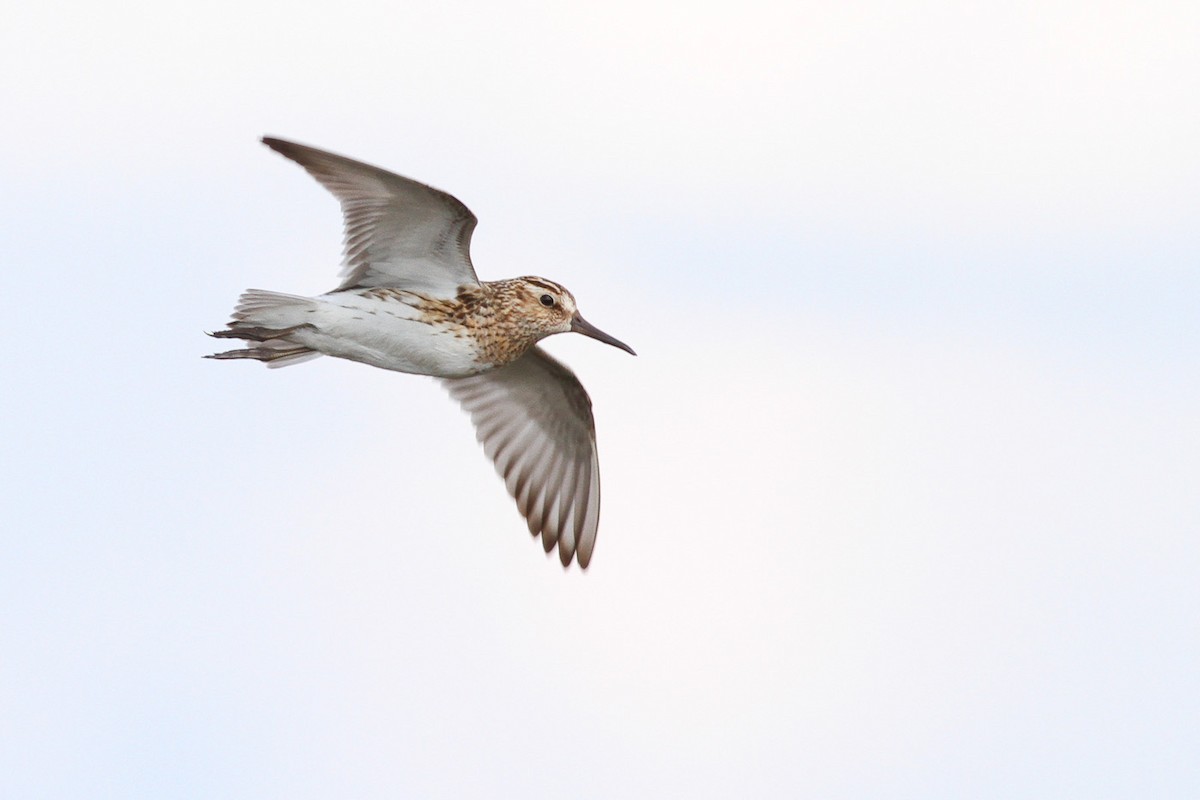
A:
(581, 325)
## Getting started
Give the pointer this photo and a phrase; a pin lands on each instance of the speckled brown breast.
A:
(490, 314)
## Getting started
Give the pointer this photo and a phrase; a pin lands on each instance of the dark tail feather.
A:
(252, 333)
(274, 352)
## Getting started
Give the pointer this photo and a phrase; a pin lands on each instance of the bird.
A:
(410, 301)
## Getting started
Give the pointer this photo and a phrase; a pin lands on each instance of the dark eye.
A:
(547, 300)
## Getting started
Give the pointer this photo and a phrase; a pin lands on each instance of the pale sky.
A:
(900, 494)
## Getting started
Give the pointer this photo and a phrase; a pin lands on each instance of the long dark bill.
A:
(581, 325)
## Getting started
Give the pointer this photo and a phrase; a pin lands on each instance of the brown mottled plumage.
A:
(410, 301)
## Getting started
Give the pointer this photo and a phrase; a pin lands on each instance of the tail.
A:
(270, 319)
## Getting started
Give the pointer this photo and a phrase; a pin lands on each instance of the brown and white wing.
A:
(399, 232)
(534, 420)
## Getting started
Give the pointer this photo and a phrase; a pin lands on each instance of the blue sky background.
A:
(900, 493)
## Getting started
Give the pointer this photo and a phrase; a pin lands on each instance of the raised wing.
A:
(534, 420)
(399, 232)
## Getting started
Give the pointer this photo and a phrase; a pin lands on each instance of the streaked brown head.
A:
(553, 310)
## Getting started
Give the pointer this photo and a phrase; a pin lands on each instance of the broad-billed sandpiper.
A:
(411, 302)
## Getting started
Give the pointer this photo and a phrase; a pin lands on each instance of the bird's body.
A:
(478, 329)
(411, 303)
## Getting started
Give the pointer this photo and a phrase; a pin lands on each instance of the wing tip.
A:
(282, 146)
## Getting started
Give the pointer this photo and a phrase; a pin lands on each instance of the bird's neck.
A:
(494, 308)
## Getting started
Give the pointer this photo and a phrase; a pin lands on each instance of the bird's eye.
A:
(547, 300)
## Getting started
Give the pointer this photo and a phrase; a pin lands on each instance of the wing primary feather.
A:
(591, 521)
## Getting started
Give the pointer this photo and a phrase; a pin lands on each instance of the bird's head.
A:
(551, 309)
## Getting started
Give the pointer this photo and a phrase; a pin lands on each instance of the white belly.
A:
(390, 334)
